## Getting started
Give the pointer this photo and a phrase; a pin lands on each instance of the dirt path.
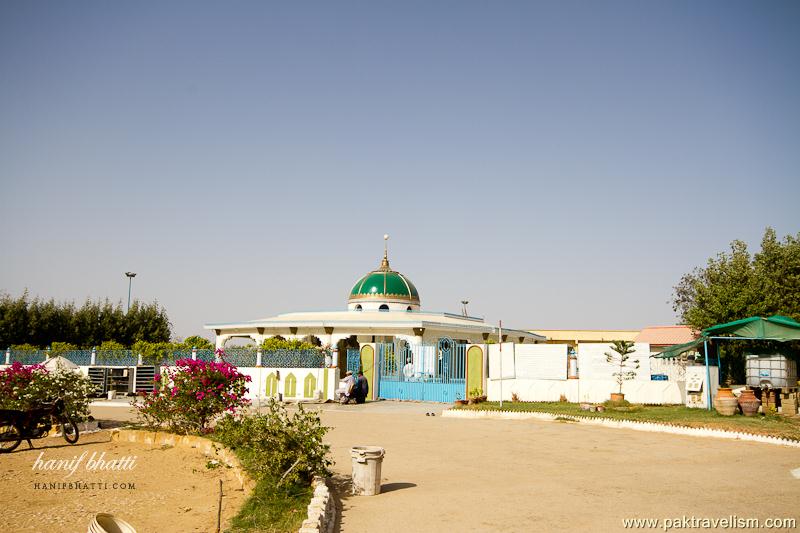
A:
(174, 490)
(444, 474)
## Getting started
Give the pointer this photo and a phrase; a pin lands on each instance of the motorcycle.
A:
(36, 423)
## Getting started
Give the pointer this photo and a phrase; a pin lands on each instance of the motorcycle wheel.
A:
(10, 437)
(69, 430)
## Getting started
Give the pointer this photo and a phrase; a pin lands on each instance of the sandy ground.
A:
(444, 474)
(447, 475)
(174, 491)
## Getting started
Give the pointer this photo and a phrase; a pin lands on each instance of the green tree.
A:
(147, 322)
(620, 357)
(735, 285)
(38, 322)
(14, 320)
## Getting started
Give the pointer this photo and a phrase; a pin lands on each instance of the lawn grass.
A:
(270, 508)
(677, 415)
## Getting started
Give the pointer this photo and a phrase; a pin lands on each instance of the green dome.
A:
(384, 284)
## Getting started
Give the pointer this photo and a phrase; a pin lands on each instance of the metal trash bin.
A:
(367, 462)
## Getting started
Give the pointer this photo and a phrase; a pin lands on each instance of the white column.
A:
(327, 339)
(219, 342)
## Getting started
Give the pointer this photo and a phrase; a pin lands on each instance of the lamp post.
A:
(130, 275)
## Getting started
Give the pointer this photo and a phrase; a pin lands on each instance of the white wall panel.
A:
(592, 362)
(541, 361)
(508, 366)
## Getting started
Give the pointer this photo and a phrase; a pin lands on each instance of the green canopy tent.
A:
(775, 328)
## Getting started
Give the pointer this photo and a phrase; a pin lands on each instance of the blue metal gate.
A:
(432, 373)
(353, 360)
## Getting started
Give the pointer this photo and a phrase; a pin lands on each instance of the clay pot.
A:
(461, 402)
(617, 397)
(749, 403)
(725, 402)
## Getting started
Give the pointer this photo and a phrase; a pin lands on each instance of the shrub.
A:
(60, 348)
(24, 348)
(110, 346)
(196, 341)
(111, 351)
(153, 352)
(190, 395)
(25, 387)
(275, 443)
(279, 343)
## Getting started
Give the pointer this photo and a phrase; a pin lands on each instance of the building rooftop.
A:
(666, 335)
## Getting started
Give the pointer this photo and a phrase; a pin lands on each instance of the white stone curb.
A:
(321, 510)
(626, 424)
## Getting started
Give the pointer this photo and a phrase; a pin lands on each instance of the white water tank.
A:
(774, 371)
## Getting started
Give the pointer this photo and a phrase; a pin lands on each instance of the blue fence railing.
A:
(109, 358)
(28, 357)
(243, 357)
(240, 356)
(293, 359)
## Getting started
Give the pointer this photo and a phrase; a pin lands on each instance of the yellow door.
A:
(368, 368)
(474, 369)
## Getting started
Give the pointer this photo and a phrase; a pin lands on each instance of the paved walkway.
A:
(444, 474)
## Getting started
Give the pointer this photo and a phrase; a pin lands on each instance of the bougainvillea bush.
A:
(188, 396)
(27, 386)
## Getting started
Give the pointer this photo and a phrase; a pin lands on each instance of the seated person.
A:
(345, 390)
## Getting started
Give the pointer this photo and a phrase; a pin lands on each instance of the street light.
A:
(130, 275)
(464, 307)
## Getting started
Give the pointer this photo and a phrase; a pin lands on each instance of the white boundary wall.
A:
(258, 384)
(259, 375)
(537, 373)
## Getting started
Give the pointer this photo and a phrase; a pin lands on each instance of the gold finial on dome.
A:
(385, 261)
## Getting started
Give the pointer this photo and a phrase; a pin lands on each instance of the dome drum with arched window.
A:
(383, 289)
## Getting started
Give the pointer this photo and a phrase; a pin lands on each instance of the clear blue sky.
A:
(559, 164)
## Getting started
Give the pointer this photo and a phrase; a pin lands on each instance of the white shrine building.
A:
(383, 306)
